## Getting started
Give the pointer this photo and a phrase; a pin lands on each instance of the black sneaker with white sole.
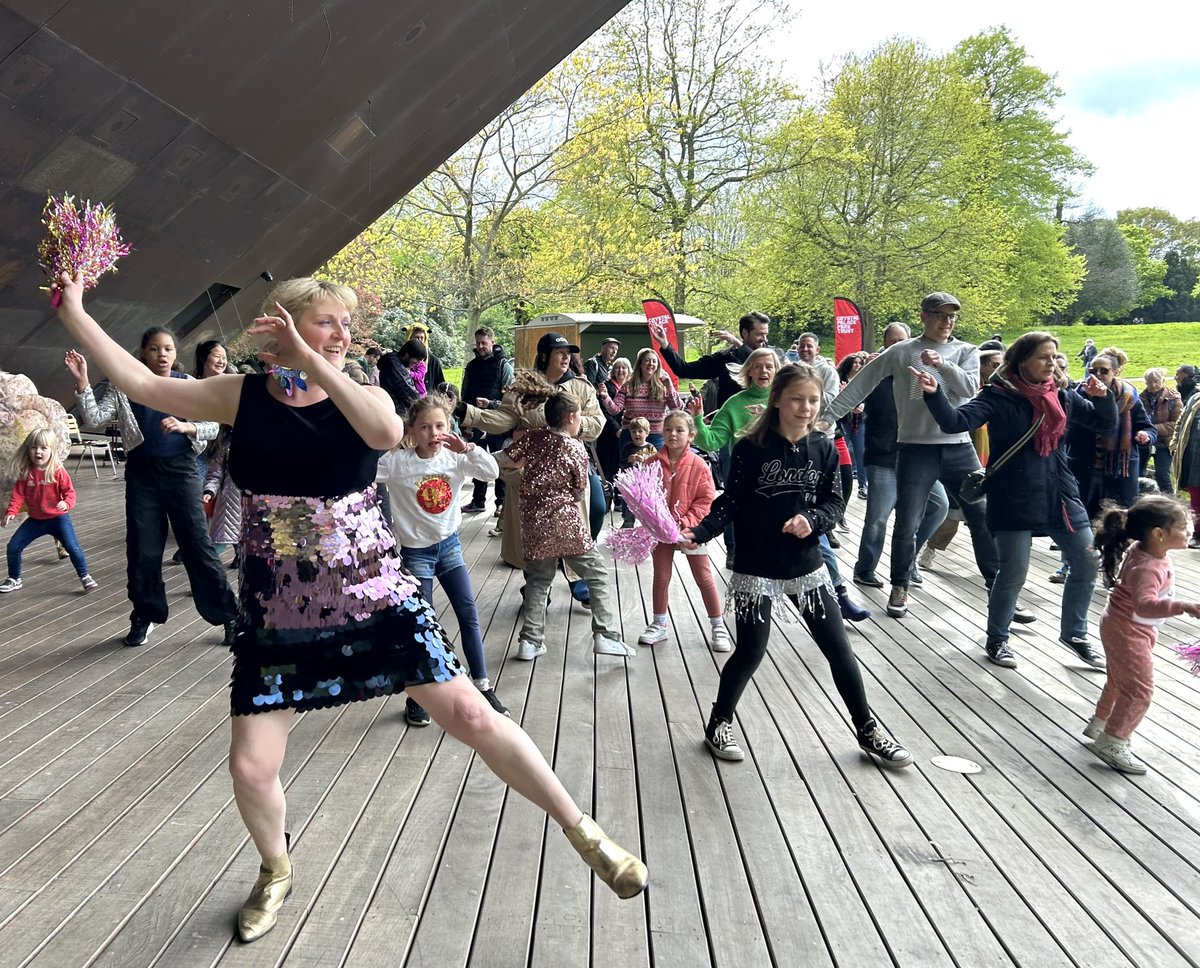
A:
(1000, 654)
(718, 737)
(870, 581)
(139, 632)
(1085, 650)
(414, 714)
(897, 605)
(874, 740)
(494, 701)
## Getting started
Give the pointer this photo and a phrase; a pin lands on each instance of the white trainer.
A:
(720, 641)
(528, 651)
(1117, 754)
(1094, 728)
(926, 558)
(654, 634)
(603, 645)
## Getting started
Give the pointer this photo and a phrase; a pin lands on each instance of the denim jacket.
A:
(94, 415)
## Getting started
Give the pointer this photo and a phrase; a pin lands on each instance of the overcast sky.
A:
(1130, 76)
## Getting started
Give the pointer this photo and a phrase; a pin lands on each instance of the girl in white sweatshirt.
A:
(425, 477)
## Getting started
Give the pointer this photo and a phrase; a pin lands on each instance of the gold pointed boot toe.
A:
(261, 910)
(613, 864)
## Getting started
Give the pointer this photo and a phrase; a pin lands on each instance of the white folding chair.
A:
(88, 445)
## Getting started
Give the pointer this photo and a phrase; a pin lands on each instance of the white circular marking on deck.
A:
(956, 764)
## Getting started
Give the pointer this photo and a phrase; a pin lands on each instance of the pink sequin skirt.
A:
(327, 614)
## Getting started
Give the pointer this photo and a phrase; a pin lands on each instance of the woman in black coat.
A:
(1034, 492)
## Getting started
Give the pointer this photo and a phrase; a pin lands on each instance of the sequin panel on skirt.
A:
(327, 613)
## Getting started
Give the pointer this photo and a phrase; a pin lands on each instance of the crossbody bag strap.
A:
(995, 465)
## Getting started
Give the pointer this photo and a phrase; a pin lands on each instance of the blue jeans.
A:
(1013, 548)
(881, 501)
(918, 468)
(444, 561)
(830, 560)
(60, 528)
(857, 442)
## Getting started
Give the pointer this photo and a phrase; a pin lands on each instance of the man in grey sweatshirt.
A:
(925, 454)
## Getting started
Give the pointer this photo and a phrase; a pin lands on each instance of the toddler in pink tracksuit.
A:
(1140, 600)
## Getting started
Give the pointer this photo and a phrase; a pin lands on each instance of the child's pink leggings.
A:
(1130, 685)
(663, 556)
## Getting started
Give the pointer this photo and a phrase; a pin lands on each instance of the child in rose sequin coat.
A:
(552, 526)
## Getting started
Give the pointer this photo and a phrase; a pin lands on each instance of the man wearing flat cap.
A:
(598, 368)
(925, 453)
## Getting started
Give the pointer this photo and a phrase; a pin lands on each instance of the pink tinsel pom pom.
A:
(631, 545)
(1190, 653)
(642, 489)
(644, 494)
(81, 239)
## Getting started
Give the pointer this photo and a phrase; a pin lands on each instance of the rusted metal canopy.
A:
(238, 136)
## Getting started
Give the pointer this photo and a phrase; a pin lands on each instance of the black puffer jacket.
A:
(1030, 492)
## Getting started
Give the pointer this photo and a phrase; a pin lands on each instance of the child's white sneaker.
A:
(89, 583)
(528, 651)
(603, 645)
(10, 585)
(1094, 728)
(720, 641)
(654, 634)
(1117, 754)
(925, 560)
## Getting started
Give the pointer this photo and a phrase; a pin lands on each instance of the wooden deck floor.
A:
(120, 844)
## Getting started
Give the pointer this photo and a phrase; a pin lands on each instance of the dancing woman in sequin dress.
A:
(327, 613)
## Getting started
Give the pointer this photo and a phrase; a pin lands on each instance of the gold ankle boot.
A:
(261, 910)
(613, 864)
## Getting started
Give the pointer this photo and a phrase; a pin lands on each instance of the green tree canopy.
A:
(1110, 288)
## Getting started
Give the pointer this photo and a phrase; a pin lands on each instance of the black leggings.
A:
(826, 628)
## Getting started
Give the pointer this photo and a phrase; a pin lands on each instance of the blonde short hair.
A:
(640, 423)
(741, 374)
(296, 295)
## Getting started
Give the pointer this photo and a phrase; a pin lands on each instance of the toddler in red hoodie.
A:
(44, 488)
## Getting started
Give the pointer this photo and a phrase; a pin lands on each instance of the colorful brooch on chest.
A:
(290, 379)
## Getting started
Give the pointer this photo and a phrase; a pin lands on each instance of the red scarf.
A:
(1043, 397)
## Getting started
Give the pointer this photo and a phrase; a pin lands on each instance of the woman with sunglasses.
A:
(1108, 463)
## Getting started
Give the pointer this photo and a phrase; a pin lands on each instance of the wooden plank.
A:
(677, 937)
(118, 837)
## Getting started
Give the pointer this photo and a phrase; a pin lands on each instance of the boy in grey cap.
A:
(925, 454)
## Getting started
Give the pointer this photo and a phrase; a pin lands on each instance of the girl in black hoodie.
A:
(782, 495)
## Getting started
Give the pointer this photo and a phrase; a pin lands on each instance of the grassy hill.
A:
(1150, 344)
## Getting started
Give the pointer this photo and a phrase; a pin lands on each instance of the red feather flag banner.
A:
(81, 239)
(847, 328)
(659, 313)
